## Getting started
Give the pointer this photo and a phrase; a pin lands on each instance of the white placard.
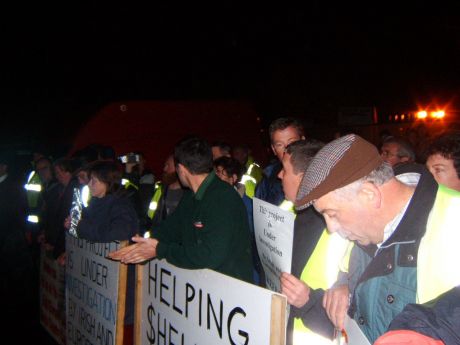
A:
(199, 307)
(354, 334)
(91, 292)
(274, 232)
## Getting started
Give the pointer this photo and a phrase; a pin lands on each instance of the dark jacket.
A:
(438, 319)
(108, 219)
(269, 189)
(385, 280)
(208, 229)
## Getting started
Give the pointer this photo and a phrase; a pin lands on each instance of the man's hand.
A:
(336, 301)
(144, 249)
(296, 291)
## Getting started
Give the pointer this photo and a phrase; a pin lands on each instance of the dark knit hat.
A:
(339, 163)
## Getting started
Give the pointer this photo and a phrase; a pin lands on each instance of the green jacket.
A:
(208, 229)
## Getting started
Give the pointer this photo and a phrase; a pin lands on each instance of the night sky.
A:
(62, 63)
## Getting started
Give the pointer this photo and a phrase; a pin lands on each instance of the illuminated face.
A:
(350, 217)
(289, 179)
(443, 171)
(282, 138)
(390, 155)
(62, 176)
(97, 188)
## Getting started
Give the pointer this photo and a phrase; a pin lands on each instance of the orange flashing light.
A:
(422, 114)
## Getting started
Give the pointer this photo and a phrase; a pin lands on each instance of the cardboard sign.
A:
(178, 306)
(95, 293)
(274, 232)
(52, 296)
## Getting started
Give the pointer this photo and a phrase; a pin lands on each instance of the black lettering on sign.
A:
(152, 278)
(189, 296)
(95, 271)
(242, 333)
(217, 322)
(150, 317)
(104, 336)
(166, 287)
(177, 309)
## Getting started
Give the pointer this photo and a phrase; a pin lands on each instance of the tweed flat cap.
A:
(339, 163)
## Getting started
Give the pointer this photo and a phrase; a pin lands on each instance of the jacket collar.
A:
(204, 185)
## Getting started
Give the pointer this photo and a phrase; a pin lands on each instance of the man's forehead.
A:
(325, 202)
(284, 131)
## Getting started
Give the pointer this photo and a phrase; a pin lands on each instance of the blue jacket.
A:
(270, 188)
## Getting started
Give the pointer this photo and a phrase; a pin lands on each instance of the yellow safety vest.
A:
(438, 268)
(127, 183)
(321, 272)
(155, 199)
(252, 177)
(85, 195)
(33, 188)
(287, 206)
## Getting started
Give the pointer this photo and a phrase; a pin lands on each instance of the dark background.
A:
(61, 63)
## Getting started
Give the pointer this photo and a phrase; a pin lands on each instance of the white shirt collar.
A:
(410, 179)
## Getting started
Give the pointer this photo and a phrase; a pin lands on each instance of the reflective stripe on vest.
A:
(32, 218)
(438, 268)
(33, 187)
(321, 272)
(155, 199)
(127, 183)
(287, 206)
(85, 195)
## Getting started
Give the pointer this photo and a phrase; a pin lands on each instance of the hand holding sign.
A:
(296, 291)
(144, 249)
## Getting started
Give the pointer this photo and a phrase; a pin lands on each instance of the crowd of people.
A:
(375, 231)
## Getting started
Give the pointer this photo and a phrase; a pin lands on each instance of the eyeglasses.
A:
(386, 153)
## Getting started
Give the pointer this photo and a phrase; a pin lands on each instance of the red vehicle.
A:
(153, 127)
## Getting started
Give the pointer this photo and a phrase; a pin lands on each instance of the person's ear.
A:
(370, 194)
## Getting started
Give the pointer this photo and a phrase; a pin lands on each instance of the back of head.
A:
(302, 152)
(195, 154)
(231, 166)
(283, 123)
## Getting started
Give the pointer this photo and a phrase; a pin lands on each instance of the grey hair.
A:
(379, 176)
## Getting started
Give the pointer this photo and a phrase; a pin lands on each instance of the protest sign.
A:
(52, 296)
(95, 293)
(199, 307)
(274, 233)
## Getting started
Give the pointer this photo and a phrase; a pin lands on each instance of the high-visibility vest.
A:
(321, 272)
(252, 177)
(33, 188)
(438, 254)
(287, 206)
(85, 195)
(155, 199)
(127, 183)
